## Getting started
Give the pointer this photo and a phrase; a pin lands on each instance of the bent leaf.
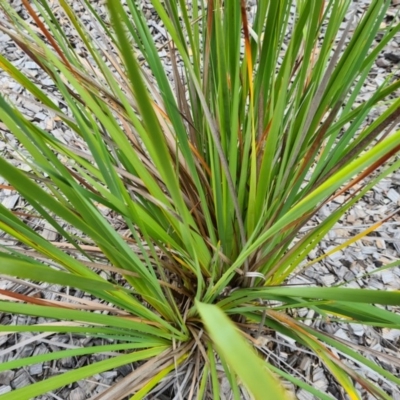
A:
(231, 346)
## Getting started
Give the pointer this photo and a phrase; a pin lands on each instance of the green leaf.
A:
(36, 389)
(239, 355)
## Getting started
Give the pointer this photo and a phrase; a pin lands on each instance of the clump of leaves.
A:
(209, 171)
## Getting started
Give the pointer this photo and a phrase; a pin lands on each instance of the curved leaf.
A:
(238, 354)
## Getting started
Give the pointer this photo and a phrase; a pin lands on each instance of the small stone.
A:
(380, 244)
(5, 389)
(318, 374)
(4, 38)
(342, 334)
(47, 82)
(382, 63)
(387, 277)
(32, 107)
(286, 338)
(21, 379)
(348, 276)
(109, 374)
(77, 394)
(303, 394)
(320, 381)
(36, 369)
(31, 65)
(359, 212)
(6, 377)
(283, 356)
(27, 350)
(375, 284)
(40, 116)
(312, 254)
(390, 334)
(342, 233)
(395, 283)
(125, 370)
(372, 375)
(336, 256)
(309, 318)
(10, 201)
(339, 199)
(49, 232)
(50, 124)
(305, 363)
(351, 219)
(67, 362)
(393, 195)
(357, 329)
(328, 280)
(395, 58)
(396, 395)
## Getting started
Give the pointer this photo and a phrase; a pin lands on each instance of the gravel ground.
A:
(347, 267)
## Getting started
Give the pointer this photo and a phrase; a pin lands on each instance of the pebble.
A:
(21, 379)
(10, 201)
(40, 116)
(6, 377)
(31, 65)
(336, 256)
(382, 63)
(328, 280)
(393, 195)
(36, 369)
(357, 329)
(304, 395)
(5, 389)
(77, 394)
(393, 57)
(342, 334)
(32, 107)
(387, 276)
(375, 284)
(390, 334)
(305, 363)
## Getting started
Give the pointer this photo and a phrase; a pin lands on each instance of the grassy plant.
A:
(210, 173)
